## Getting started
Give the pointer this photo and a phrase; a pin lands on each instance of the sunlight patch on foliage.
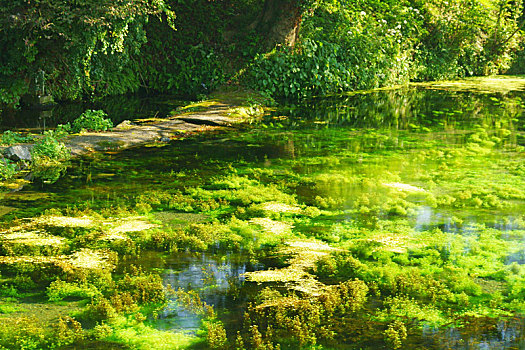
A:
(296, 275)
(281, 208)
(66, 221)
(273, 227)
(404, 187)
(130, 225)
(32, 238)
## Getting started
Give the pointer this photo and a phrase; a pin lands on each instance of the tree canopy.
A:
(90, 48)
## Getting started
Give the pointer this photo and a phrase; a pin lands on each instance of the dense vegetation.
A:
(378, 220)
(93, 48)
(388, 225)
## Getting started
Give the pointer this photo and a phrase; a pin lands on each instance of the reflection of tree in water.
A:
(406, 108)
(479, 333)
(219, 283)
(118, 108)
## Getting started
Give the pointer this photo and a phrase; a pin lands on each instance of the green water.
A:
(420, 193)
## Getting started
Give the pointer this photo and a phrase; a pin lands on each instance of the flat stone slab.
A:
(127, 137)
(213, 114)
(212, 120)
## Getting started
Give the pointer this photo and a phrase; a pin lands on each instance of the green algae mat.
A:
(390, 219)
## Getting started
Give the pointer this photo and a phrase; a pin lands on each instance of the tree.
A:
(75, 42)
(280, 20)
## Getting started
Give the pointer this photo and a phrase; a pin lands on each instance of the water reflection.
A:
(505, 334)
(118, 108)
(338, 154)
(218, 279)
(410, 109)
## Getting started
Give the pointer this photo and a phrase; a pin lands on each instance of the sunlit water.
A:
(350, 152)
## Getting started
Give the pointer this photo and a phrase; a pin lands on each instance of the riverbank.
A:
(223, 109)
(226, 108)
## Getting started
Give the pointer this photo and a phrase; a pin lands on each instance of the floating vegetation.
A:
(91, 259)
(132, 224)
(387, 219)
(82, 259)
(404, 187)
(65, 221)
(31, 238)
(272, 227)
(296, 276)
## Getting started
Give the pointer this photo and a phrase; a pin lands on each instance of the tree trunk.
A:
(279, 22)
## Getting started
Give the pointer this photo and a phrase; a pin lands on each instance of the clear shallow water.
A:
(352, 157)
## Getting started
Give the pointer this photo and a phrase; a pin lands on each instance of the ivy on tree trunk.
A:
(279, 22)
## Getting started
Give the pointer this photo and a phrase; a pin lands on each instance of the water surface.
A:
(412, 170)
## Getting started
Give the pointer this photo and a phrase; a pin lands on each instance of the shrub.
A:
(92, 120)
(9, 137)
(48, 157)
(50, 149)
(7, 169)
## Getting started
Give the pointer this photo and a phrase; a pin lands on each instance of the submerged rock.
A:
(19, 152)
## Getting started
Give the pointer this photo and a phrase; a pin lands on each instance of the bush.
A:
(92, 120)
(7, 169)
(48, 157)
(316, 68)
(50, 149)
(9, 137)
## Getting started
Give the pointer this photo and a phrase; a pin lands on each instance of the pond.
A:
(394, 217)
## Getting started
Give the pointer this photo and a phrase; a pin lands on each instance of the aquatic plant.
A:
(48, 157)
(7, 169)
(60, 290)
(93, 120)
(10, 137)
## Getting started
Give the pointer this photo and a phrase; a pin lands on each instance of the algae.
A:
(359, 219)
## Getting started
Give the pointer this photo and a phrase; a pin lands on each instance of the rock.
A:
(212, 120)
(165, 139)
(126, 124)
(18, 152)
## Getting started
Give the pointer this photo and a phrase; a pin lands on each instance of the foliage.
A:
(10, 137)
(7, 169)
(348, 45)
(49, 149)
(395, 334)
(189, 70)
(60, 290)
(91, 49)
(93, 120)
(469, 37)
(98, 40)
(48, 157)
